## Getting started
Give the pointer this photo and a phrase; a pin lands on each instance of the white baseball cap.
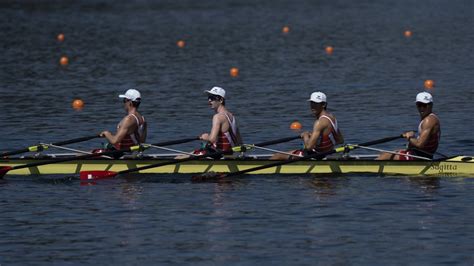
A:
(132, 95)
(216, 91)
(424, 97)
(317, 97)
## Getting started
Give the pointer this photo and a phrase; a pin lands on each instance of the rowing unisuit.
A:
(431, 144)
(134, 138)
(132, 129)
(227, 140)
(327, 141)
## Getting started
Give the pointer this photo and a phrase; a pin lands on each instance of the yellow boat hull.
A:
(457, 166)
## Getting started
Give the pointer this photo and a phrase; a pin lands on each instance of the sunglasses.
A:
(418, 104)
(315, 105)
(214, 97)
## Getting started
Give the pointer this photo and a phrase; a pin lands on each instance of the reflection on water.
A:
(426, 184)
(325, 186)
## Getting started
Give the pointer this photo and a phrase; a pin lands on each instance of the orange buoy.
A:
(329, 50)
(429, 84)
(296, 125)
(285, 29)
(407, 33)
(64, 61)
(60, 37)
(77, 104)
(234, 72)
(181, 44)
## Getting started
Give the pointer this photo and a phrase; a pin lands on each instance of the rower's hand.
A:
(409, 134)
(103, 133)
(204, 136)
(305, 134)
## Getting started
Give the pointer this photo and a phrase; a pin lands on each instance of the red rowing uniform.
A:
(428, 150)
(326, 142)
(134, 138)
(227, 140)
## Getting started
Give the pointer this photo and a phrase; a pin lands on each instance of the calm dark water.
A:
(370, 80)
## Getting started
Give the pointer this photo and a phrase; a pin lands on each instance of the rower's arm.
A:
(145, 132)
(427, 128)
(339, 137)
(125, 127)
(216, 127)
(310, 141)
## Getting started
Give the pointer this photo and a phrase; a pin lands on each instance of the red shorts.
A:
(406, 158)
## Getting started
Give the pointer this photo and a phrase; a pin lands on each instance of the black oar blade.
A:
(96, 175)
(4, 170)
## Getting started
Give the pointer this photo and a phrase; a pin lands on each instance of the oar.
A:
(94, 175)
(311, 156)
(5, 169)
(42, 146)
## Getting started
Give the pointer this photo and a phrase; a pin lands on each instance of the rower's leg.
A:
(181, 156)
(281, 156)
(384, 156)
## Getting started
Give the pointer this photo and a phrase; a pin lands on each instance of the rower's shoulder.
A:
(327, 116)
(434, 118)
(223, 115)
(133, 118)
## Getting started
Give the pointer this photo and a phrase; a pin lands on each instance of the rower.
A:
(325, 135)
(132, 129)
(429, 133)
(224, 132)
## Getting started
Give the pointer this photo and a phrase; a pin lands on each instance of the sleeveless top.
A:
(433, 140)
(227, 140)
(326, 142)
(134, 138)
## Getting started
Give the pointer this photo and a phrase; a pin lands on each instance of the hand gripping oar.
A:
(311, 156)
(5, 169)
(94, 175)
(41, 147)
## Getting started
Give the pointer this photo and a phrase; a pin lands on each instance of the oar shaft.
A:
(282, 140)
(379, 141)
(311, 156)
(106, 153)
(14, 152)
(267, 143)
(37, 147)
(66, 142)
(174, 142)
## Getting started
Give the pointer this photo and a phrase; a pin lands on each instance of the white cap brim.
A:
(212, 93)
